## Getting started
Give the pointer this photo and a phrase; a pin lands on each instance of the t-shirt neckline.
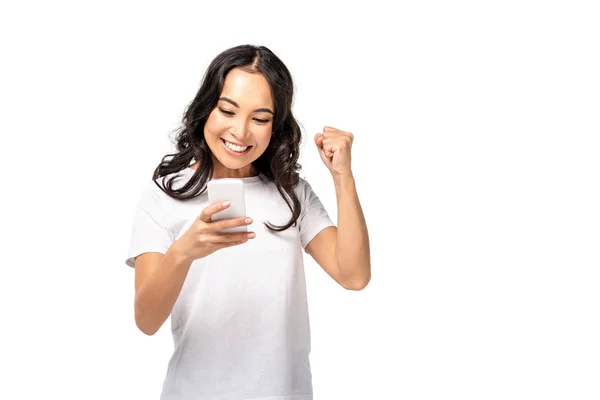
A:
(249, 179)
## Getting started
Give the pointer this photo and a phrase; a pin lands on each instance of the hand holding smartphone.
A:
(228, 189)
(204, 236)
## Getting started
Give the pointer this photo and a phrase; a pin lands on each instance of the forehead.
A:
(247, 89)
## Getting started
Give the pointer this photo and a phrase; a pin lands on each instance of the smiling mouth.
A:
(235, 148)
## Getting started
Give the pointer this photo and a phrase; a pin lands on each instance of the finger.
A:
(329, 148)
(230, 244)
(230, 223)
(212, 209)
(231, 237)
(318, 139)
(323, 155)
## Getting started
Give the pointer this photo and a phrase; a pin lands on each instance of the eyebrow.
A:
(227, 99)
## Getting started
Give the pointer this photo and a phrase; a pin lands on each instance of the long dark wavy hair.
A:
(279, 161)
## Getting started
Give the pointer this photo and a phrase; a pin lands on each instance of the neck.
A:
(220, 171)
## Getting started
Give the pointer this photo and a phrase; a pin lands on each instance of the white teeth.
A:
(234, 147)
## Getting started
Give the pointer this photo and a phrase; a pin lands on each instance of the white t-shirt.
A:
(240, 324)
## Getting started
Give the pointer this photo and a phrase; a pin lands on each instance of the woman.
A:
(237, 301)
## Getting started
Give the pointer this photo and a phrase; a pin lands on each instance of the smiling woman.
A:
(239, 129)
(238, 301)
(245, 100)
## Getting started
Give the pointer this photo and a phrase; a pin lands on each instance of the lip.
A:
(236, 143)
(233, 153)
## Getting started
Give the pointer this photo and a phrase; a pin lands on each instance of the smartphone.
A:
(228, 189)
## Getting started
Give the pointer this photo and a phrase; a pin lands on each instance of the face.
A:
(238, 129)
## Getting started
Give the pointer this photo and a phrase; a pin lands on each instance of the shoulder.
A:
(304, 189)
(301, 186)
(178, 179)
(154, 190)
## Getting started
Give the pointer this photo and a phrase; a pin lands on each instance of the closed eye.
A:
(231, 114)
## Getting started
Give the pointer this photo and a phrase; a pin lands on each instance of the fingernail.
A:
(226, 203)
(251, 235)
(248, 220)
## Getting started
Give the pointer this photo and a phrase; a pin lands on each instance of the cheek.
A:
(214, 123)
(263, 135)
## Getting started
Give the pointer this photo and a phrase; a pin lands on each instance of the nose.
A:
(239, 129)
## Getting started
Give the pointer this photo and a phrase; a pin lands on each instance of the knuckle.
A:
(204, 237)
(223, 225)
(228, 237)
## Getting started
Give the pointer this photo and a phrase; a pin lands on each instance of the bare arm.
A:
(158, 282)
(159, 278)
(344, 252)
(352, 248)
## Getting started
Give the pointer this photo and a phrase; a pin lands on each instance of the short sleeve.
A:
(149, 231)
(313, 216)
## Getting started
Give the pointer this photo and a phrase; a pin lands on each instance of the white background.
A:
(476, 157)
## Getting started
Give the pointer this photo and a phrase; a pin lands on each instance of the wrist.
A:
(177, 254)
(343, 178)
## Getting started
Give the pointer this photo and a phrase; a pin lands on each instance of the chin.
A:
(234, 165)
(231, 163)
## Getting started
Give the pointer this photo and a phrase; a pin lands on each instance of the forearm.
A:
(156, 297)
(352, 244)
